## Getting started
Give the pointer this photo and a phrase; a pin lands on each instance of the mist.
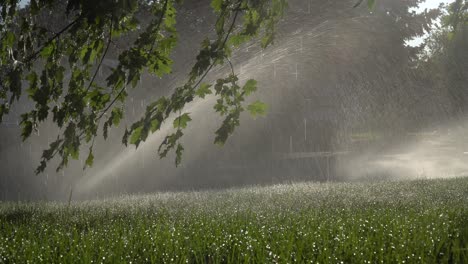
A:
(346, 103)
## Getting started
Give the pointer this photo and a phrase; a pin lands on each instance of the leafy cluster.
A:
(36, 59)
(445, 54)
(456, 18)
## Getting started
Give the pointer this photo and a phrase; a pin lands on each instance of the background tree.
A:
(445, 54)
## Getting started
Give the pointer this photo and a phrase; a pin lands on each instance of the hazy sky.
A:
(430, 4)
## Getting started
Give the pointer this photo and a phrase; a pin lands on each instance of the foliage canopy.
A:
(35, 59)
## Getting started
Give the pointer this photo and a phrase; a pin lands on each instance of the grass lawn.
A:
(423, 221)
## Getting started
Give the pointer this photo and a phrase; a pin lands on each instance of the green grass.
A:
(424, 221)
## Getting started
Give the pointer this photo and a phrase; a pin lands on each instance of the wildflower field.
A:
(423, 221)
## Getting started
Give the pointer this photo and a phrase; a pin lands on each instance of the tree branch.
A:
(230, 64)
(103, 112)
(231, 28)
(161, 17)
(103, 56)
(123, 88)
(57, 35)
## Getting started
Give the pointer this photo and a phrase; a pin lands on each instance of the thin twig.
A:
(121, 91)
(103, 56)
(158, 26)
(232, 67)
(111, 104)
(231, 28)
(57, 35)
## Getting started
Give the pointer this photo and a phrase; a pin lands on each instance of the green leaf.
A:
(169, 143)
(267, 40)
(74, 152)
(217, 5)
(179, 152)
(87, 55)
(203, 90)
(9, 39)
(163, 68)
(117, 115)
(250, 87)
(227, 128)
(182, 121)
(90, 159)
(47, 51)
(237, 40)
(125, 137)
(105, 129)
(27, 127)
(135, 138)
(371, 4)
(41, 168)
(154, 125)
(220, 25)
(169, 19)
(257, 108)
